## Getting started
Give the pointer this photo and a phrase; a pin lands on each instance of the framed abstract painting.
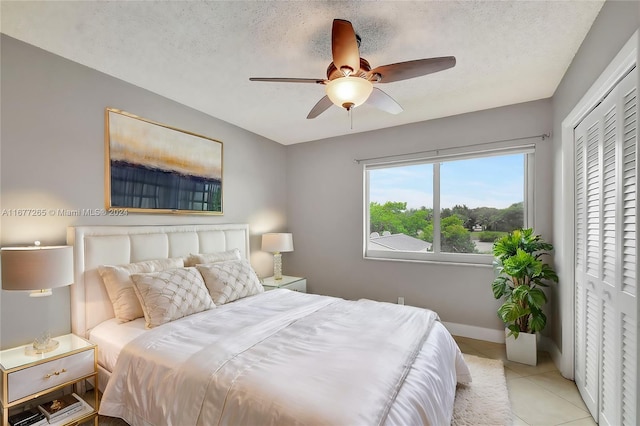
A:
(154, 168)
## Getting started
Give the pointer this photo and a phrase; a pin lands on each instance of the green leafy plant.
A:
(521, 273)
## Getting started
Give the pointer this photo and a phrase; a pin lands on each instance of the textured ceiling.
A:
(202, 54)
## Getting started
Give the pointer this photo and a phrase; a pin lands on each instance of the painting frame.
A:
(144, 173)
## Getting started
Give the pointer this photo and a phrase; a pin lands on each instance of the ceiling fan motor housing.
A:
(333, 72)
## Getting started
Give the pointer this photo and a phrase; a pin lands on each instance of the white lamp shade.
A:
(277, 242)
(347, 92)
(35, 268)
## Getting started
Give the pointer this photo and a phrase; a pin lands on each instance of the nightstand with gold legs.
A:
(27, 377)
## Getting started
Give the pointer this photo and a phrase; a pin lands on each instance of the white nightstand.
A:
(27, 377)
(291, 283)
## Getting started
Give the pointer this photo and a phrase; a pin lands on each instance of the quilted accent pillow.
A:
(221, 256)
(117, 280)
(168, 295)
(231, 280)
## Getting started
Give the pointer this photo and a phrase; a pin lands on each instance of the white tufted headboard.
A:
(116, 245)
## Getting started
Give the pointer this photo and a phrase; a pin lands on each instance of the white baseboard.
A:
(497, 336)
(473, 332)
(548, 345)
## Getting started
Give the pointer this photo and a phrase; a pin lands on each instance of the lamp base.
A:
(51, 345)
(277, 266)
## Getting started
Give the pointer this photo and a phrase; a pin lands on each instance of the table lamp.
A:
(37, 269)
(277, 243)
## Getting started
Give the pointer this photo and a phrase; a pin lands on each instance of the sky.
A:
(480, 182)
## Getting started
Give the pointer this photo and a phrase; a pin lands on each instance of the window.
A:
(447, 208)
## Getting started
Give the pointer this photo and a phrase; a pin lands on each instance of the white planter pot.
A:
(523, 349)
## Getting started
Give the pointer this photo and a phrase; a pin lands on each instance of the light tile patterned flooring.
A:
(539, 395)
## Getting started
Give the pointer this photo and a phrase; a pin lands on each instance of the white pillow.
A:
(168, 295)
(117, 281)
(231, 280)
(221, 256)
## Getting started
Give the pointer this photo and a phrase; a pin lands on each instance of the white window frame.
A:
(436, 159)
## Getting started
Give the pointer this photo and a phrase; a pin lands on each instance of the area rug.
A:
(485, 401)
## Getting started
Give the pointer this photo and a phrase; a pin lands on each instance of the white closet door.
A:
(610, 347)
(588, 280)
(606, 256)
(627, 290)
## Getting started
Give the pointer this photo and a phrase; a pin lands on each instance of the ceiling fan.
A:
(350, 79)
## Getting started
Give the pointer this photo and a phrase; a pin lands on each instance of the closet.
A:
(606, 256)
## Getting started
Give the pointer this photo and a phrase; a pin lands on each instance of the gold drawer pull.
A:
(55, 373)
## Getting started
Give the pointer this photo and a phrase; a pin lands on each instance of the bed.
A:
(275, 357)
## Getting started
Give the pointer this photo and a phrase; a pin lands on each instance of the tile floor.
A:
(539, 395)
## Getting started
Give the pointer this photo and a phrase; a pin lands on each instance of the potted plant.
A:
(521, 273)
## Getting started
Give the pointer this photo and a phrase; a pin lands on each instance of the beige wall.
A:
(326, 213)
(52, 156)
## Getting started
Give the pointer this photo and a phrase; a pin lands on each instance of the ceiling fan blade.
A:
(384, 102)
(411, 69)
(290, 80)
(322, 105)
(344, 46)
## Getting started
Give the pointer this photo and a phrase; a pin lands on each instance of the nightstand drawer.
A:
(290, 283)
(300, 285)
(43, 376)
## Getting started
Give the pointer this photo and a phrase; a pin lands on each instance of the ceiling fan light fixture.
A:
(348, 92)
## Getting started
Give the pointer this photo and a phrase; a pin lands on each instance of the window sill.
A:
(482, 261)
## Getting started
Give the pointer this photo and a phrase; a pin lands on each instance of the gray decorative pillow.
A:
(231, 280)
(221, 256)
(168, 295)
(117, 281)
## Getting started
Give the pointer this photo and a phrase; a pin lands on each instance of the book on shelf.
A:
(61, 417)
(26, 418)
(61, 407)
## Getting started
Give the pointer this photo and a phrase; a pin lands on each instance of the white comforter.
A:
(289, 358)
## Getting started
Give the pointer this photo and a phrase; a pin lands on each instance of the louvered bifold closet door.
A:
(606, 256)
(627, 291)
(588, 287)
